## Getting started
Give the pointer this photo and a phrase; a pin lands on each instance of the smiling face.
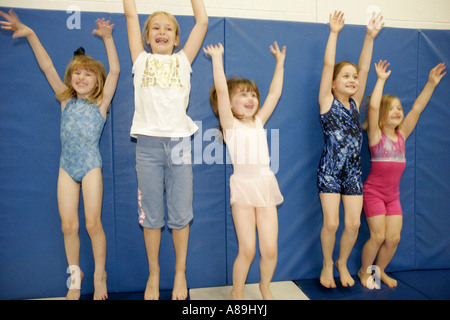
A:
(394, 115)
(84, 78)
(84, 82)
(346, 81)
(162, 33)
(244, 103)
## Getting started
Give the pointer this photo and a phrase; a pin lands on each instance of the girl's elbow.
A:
(115, 71)
(203, 23)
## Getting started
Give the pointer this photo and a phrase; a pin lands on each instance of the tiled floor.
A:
(283, 290)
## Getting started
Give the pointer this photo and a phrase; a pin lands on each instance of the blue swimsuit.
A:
(340, 165)
(81, 127)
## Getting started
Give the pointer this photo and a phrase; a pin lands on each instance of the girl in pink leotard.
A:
(387, 131)
(254, 191)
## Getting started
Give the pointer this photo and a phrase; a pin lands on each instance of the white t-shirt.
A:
(162, 84)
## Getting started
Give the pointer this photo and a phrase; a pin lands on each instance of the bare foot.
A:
(74, 292)
(152, 289)
(346, 278)
(326, 276)
(179, 291)
(367, 280)
(265, 292)
(101, 291)
(391, 283)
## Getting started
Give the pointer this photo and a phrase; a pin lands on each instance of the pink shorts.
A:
(376, 205)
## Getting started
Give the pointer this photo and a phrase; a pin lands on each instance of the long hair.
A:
(82, 61)
(385, 106)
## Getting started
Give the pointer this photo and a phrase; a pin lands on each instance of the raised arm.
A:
(45, 63)
(422, 100)
(325, 94)
(195, 40)
(276, 87)
(365, 62)
(133, 28)
(104, 30)
(373, 130)
(220, 83)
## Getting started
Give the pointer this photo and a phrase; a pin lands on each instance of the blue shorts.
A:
(350, 185)
(164, 164)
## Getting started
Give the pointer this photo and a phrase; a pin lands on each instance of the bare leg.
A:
(68, 192)
(92, 186)
(245, 225)
(389, 247)
(152, 238)
(330, 208)
(352, 208)
(267, 225)
(180, 240)
(377, 227)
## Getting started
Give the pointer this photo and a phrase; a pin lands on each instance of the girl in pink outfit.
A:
(254, 191)
(387, 131)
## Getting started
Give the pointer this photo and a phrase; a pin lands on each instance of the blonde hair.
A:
(385, 106)
(147, 26)
(82, 61)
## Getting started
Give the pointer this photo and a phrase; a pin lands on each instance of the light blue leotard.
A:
(81, 127)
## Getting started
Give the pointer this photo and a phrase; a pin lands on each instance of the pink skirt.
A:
(262, 191)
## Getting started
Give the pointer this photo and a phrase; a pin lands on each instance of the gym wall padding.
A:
(32, 257)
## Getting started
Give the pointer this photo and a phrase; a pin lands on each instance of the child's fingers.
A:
(13, 14)
(6, 25)
(4, 15)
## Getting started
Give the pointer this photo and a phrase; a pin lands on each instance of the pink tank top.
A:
(388, 164)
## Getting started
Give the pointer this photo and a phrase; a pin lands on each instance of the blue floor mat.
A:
(434, 284)
(412, 285)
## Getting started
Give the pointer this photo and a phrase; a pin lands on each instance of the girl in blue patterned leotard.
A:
(85, 96)
(339, 172)
(340, 165)
(81, 127)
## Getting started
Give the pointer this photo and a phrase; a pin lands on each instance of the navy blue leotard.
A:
(339, 169)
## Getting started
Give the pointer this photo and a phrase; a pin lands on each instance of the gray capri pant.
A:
(164, 164)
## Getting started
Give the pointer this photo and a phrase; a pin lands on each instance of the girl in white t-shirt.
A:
(162, 87)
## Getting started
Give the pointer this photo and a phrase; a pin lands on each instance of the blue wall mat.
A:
(432, 157)
(32, 257)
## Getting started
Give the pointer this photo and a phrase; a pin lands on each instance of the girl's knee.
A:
(393, 239)
(378, 238)
(70, 227)
(352, 226)
(269, 253)
(331, 226)
(247, 252)
(93, 227)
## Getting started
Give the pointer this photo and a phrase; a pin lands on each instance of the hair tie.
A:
(79, 52)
